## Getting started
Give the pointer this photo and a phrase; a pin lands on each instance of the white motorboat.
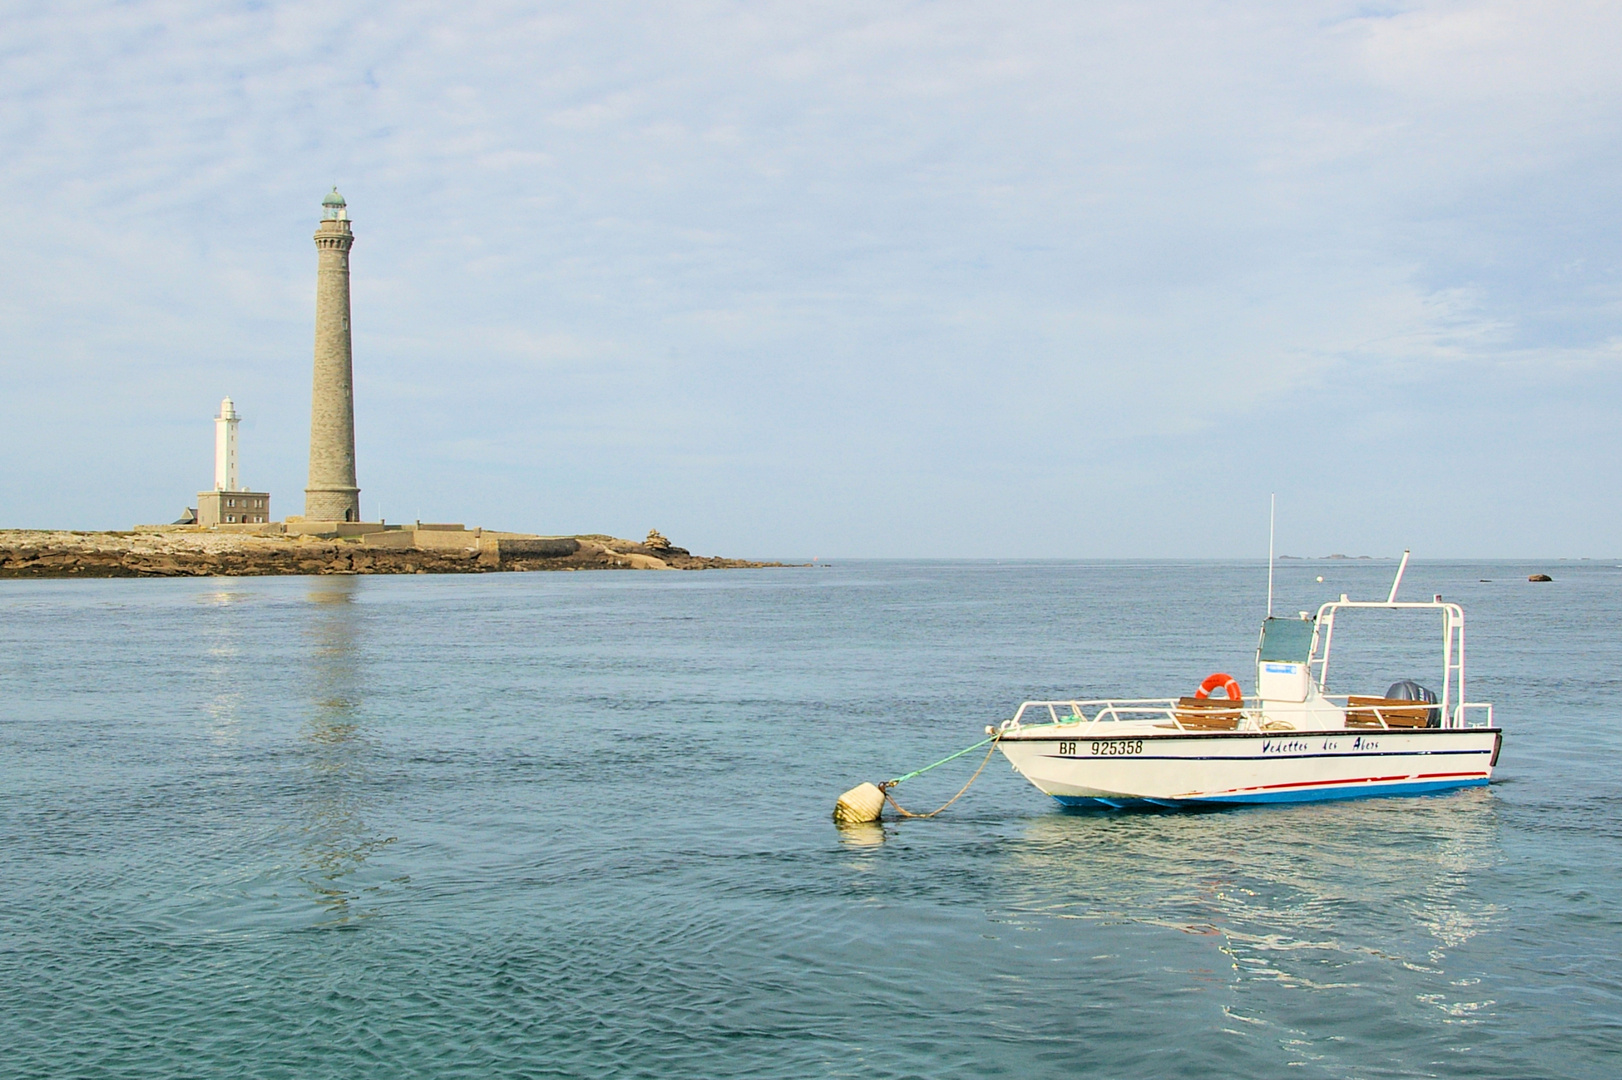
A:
(1292, 742)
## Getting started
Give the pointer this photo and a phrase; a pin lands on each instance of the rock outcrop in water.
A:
(193, 552)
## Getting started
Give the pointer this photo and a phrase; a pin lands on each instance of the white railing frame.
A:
(1111, 710)
(1452, 650)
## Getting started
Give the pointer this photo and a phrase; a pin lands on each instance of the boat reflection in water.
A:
(1340, 894)
(335, 787)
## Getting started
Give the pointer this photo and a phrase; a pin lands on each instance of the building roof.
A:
(334, 199)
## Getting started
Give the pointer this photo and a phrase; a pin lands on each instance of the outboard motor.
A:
(1408, 690)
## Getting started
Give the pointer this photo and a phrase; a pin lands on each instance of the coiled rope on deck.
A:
(865, 802)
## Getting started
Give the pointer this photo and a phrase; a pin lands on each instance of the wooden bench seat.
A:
(1398, 712)
(1209, 714)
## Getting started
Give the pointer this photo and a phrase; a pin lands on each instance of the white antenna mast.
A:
(1272, 513)
(1395, 585)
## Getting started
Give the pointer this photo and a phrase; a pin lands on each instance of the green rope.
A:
(942, 761)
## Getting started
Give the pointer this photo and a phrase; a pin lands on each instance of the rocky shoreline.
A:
(184, 552)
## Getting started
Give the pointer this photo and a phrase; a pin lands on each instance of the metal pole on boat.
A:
(1272, 514)
(1395, 585)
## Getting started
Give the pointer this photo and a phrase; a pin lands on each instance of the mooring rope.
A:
(888, 784)
(942, 761)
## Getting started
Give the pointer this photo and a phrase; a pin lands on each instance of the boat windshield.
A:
(1286, 641)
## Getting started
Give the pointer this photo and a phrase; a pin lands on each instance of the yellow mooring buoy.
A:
(864, 802)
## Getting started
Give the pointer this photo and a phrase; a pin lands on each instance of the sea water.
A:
(577, 825)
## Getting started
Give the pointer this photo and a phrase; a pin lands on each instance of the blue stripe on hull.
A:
(1323, 794)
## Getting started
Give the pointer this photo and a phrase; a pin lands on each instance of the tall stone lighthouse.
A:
(332, 494)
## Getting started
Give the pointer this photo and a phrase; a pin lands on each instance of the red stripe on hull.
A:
(1363, 780)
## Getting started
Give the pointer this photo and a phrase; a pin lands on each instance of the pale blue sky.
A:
(836, 279)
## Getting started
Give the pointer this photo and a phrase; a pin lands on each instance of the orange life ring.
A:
(1228, 684)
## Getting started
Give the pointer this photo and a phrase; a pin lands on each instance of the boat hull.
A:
(1230, 768)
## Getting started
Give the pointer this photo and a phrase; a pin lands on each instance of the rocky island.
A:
(328, 548)
(230, 532)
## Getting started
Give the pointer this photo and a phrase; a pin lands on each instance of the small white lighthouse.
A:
(230, 503)
(225, 447)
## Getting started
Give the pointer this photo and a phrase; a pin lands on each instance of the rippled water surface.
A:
(578, 825)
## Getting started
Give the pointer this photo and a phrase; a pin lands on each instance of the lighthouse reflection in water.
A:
(336, 753)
